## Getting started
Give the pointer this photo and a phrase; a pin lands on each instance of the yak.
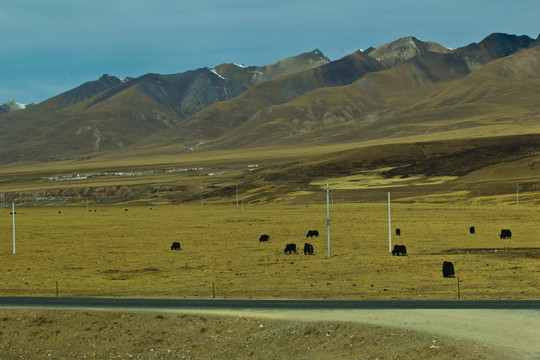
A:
(448, 269)
(399, 250)
(290, 249)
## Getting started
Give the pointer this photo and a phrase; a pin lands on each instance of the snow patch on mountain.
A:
(215, 72)
(11, 105)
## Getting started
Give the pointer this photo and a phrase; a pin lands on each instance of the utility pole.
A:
(328, 216)
(14, 242)
(389, 226)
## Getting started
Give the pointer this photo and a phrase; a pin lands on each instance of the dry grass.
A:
(461, 169)
(371, 179)
(108, 251)
(112, 252)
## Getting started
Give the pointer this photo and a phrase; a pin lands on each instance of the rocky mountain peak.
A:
(89, 89)
(11, 105)
(492, 47)
(316, 55)
(109, 80)
(403, 49)
(255, 75)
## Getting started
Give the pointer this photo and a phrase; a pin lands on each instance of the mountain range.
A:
(404, 89)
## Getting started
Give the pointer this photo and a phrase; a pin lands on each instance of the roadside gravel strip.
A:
(515, 330)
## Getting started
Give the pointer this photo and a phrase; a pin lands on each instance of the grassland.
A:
(76, 234)
(459, 170)
(108, 251)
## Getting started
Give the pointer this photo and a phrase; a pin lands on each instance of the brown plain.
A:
(125, 251)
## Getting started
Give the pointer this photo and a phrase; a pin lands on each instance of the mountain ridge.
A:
(297, 100)
(418, 72)
(255, 75)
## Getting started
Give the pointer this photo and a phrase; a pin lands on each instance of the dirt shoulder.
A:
(516, 331)
(309, 334)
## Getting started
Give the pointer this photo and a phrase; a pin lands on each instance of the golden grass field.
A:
(103, 250)
(108, 251)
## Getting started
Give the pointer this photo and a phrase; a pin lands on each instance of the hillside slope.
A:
(435, 95)
(358, 98)
(220, 118)
(401, 89)
(109, 114)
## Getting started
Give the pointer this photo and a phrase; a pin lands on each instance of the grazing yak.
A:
(398, 231)
(264, 238)
(471, 229)
(175, 246)
(312, 233)
(506, 234)
(308, 249)
(290, 248)
(399, 250)
(448, 269)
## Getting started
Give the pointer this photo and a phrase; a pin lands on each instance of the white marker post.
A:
(389, 226)
(517, 194)
(479, 199)
(328, 216)
(14, 242)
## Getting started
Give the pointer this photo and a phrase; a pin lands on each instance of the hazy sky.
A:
(51, 46)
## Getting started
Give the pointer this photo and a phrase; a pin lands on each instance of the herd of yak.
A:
(447, 269)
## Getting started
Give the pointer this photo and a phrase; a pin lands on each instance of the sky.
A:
(51, 46)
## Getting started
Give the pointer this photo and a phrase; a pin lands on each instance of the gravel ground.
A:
(358, 334)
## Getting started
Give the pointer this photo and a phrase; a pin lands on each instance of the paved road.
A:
(236, 304)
